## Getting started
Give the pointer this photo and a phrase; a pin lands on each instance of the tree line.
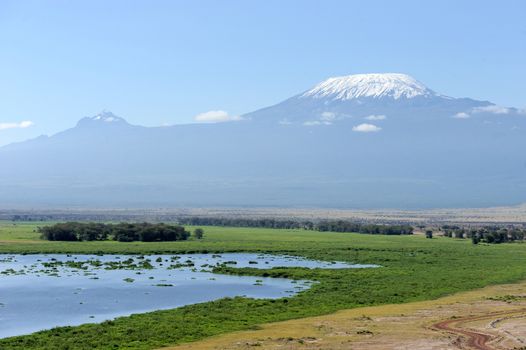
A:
(122, 232)
(488, 234)
(348, 226)
(322, 226)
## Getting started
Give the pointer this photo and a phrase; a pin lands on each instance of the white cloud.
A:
(461, 115)
(328, 116)
(284, 122)
(216, 117)
(21, 125)
(316, 122)
(366, 128)
(376, 117)
(491, 109)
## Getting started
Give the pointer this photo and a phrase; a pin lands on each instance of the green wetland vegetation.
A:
(413, 268)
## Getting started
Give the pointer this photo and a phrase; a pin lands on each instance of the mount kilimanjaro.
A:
(359, 141)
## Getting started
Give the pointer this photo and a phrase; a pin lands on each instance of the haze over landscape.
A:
(360, 141)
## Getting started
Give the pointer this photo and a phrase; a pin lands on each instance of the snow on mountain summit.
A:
(393, 85)
(104, 118)
(107, 116)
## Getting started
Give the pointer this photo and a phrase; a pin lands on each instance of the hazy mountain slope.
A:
(382, 140)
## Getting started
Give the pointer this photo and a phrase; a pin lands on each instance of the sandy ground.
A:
(489, 318)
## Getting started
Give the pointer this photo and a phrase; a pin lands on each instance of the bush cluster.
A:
(122, 232)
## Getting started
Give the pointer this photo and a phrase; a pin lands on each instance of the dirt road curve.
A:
(475, 340)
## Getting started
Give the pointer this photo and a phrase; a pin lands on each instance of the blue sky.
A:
(164, 62)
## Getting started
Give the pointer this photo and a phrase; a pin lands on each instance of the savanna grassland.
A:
(413, 269)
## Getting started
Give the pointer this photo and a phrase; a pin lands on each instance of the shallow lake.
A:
(44, 291)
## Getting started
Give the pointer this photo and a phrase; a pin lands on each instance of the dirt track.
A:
(477, 339)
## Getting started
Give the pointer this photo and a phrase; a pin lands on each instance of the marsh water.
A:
(44, 291)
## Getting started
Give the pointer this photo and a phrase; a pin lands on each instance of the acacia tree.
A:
(199, 233)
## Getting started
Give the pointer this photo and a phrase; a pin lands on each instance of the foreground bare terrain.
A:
(489, 318)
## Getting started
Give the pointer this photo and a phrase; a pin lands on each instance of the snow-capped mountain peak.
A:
(103, 118)
(107, 116)
(392, 85)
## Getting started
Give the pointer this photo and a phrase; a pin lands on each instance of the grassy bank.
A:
(414, 269)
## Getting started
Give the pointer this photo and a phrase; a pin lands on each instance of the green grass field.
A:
(414, 268)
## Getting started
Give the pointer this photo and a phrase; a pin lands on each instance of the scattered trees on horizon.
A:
(488, 234)
(349, 226)
(322, 226)
(148, 232)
